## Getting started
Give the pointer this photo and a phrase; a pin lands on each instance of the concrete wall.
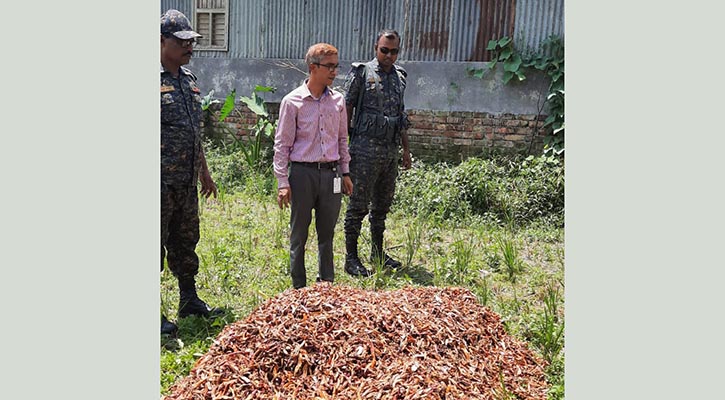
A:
(453, 114)
(432, 86)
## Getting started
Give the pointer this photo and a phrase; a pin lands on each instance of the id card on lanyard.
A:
(336, 182)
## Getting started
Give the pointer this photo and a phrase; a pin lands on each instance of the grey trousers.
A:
(312, 189)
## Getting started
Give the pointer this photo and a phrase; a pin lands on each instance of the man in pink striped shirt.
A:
(311, 160)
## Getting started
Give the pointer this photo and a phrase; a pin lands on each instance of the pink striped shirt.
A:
(310, 130)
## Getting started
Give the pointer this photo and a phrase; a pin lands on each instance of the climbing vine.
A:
(550, 60)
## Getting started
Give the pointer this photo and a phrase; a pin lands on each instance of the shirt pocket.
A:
(333, 120)
(170, 109)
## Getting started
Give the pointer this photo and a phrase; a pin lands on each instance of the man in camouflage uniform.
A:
(182, 164)
(377, 128)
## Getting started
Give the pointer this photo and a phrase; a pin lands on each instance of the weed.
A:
(502, 393)
(482, 290)
(412, 239)
(511, 191)
(461, 261)
(549, 330)
(510, 257)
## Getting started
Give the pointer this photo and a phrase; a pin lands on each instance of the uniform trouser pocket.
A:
(180, 229)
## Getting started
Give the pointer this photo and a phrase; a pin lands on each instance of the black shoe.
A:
(195, 306)
(354, 267)
(168, 327)
(389, 262)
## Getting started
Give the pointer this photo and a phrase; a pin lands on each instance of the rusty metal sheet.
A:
(432, 30)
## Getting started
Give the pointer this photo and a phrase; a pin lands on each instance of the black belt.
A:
(318, 165)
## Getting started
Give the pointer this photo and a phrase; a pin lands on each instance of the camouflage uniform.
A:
(182, 160)
(180, 164)
(375, 138)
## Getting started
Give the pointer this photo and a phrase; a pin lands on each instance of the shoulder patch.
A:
(167, 88)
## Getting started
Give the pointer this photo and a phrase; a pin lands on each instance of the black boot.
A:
(377, 254)
(168, 327)
(353, 265)
(190, 303)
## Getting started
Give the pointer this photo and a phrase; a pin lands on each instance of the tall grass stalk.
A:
(482, 289)
(510, 257)
(550, 330)
(503, 393)
(412, 240)
(461, 262)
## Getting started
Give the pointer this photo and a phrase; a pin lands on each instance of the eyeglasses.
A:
(331, 67)
(184, 42)
(386, 50)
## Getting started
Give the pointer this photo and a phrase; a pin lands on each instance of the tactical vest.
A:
(375, 124)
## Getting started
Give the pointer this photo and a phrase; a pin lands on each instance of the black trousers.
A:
(312, 189)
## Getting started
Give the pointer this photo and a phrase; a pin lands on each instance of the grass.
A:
(516, 269)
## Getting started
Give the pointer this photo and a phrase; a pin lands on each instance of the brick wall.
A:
(241, 121)
(440, 135)
(456, 135)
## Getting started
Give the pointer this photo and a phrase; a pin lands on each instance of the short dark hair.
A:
(388, 33)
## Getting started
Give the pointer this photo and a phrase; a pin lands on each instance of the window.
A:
(212, 20)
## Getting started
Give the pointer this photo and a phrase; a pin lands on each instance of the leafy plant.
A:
(208, 100)
(251, 149)
(503, 52)
(550, 60)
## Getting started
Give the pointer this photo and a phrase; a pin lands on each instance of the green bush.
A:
(428, 191)
(232, 173)
(501, 189)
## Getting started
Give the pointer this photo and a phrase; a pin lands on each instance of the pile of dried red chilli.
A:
(337, 342)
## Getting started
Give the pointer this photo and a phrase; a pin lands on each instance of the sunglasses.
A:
(386, 50)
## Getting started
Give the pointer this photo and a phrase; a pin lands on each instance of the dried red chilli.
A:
(337, 342)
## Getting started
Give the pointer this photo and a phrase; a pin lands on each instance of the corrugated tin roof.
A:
(431, 30)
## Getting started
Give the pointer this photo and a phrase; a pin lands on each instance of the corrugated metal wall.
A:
(536, 20)
(185, 6)
(432, 30)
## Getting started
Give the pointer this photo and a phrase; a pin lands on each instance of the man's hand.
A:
(346, 185)
(407, 161)
(208, 187)
(284, 196)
